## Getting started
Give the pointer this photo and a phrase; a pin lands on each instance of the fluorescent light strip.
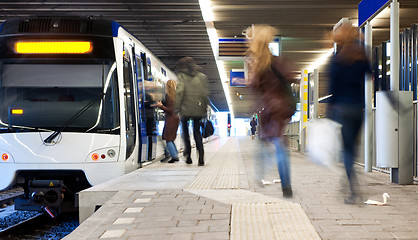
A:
(325, 97)
(206, 8)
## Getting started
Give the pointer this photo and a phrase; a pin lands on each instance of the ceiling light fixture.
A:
(206, 8)
(208, 17)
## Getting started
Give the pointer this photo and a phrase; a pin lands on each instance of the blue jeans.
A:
(351, 119)
(282, 160)
(172, 149)
(283, 163)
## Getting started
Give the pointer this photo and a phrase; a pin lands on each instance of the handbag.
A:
(207, 128)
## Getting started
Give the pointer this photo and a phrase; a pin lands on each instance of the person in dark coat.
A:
(347, 75)
(270, 77)
(253, 125)
(191, 103)
(172, 120)
(150, 123)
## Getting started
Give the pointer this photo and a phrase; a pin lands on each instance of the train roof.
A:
(59, 25)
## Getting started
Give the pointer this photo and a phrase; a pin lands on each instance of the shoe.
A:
(173, 160)
(201, 164)
(353, 199)
(287, 192)
(189, 161)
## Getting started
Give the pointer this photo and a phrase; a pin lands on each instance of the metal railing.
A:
(294, 143)
(292, 133)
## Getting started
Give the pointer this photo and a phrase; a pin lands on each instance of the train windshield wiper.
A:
(73, 118)
(23, 128)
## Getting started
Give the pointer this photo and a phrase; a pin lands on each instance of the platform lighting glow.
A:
(206, 8)
(224, 80)
(213, 38)
(388, 49)
(384, 14)
(325, 97)
(274, 48)
(49, 47)
(321, 60)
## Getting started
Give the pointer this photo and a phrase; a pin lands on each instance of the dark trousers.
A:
(196, 134)
(351, 119)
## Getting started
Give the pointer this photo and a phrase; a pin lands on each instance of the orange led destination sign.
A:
(17, 111)
(56, 47)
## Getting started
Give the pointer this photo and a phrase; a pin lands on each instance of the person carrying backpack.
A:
(270, 77)
(191, 104)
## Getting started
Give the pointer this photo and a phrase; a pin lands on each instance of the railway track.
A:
(43, 227)
(7, 197)
(17, 221)
(30, 225)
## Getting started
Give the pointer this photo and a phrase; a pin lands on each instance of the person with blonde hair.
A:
(172, 120)
(347, 72)
(270, 77)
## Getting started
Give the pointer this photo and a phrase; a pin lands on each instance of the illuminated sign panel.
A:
(57, 47)
(17, 111)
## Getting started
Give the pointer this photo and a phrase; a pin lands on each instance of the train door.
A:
(140, 76)
(129, 100)
(150, 112)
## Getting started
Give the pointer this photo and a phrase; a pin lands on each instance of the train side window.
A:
(129, 104)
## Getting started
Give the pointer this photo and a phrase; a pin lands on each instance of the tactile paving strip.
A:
(220, 173)
(254, 216)
(275, 220)
(217, 176)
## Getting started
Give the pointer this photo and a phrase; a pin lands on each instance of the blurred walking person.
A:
(270, 78)
(347, 75)
(253, 125)
(191, 103)
(172, 120)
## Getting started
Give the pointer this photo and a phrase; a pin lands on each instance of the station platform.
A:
(225, 200)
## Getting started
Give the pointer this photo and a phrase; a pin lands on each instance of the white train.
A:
(72, 97)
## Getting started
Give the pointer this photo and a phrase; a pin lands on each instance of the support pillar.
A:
(303, 109)
(394, 46)
(368, 117)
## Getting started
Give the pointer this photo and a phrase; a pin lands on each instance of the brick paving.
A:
(174, 213)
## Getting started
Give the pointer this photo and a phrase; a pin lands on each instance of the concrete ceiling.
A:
(173, 29)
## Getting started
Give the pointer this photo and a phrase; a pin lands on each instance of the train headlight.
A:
(6, 157)
(95, 156)
(111, 153)
(103, 155)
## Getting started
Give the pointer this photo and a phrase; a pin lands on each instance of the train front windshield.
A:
(42, 94)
